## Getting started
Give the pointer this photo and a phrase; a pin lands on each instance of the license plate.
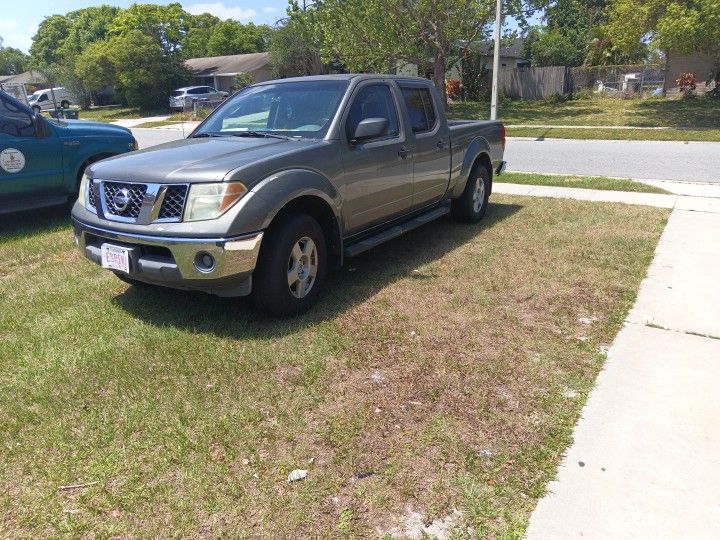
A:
(115, 258)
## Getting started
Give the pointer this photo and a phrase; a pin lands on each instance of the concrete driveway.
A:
(649, 160)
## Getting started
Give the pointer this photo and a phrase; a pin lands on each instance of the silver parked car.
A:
(184, 97)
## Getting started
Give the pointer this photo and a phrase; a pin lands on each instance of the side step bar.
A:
(395, 231)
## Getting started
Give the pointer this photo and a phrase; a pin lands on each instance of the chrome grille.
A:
(174, 203)
(136, 193)
(91, 196)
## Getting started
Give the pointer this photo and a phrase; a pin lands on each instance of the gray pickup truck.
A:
(284, 181)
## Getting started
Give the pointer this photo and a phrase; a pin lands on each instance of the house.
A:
(699, 64)
(220, 71)
(32, 78)
(510, 57)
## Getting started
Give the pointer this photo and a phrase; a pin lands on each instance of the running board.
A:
(395, 231)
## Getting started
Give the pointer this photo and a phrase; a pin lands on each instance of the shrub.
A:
(452, 87)
(687, 84)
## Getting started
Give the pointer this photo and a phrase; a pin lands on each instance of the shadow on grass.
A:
(33, 222)
(360, 278)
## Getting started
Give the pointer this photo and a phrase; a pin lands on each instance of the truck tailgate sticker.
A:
(12, 160)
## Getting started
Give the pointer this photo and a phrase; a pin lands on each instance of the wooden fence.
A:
(533, 83)
(544, 82)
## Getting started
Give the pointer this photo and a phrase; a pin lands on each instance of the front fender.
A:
(477, 147)
(282, 187)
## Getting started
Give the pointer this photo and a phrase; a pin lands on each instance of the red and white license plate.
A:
(115, 258)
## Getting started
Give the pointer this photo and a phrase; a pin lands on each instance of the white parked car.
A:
(42, 100)
(184, 97)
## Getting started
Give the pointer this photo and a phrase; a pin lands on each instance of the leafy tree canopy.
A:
(12, 61)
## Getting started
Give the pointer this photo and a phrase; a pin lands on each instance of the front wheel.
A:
(470, 207)
(36, 109)
(291, 268)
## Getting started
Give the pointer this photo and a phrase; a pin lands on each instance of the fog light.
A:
(204, 262)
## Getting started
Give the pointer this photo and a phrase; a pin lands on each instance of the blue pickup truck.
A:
(43, 160)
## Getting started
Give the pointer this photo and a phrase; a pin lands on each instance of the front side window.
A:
(15, 121)
(420, 108)
(373, 101)
(302, 109)
(43, 97)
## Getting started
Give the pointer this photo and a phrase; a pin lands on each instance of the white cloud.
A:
(8, 24)
(270, 9)
(222, 11)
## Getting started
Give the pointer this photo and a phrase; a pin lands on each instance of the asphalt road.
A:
(648, 160)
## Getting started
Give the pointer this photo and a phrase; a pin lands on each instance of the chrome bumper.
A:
(172, 261)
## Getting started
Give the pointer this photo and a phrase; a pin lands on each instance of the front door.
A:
(431, 150)
(31, 168)
(378, 172)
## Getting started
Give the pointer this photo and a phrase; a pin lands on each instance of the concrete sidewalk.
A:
(645, 461)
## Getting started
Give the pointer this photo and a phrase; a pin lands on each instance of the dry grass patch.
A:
(439, 377)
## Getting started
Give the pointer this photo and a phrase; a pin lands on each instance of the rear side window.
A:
(420, 109)
(373, 101)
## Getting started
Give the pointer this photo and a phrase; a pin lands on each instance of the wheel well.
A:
(90, 161)
(324, 215)
(483, 160)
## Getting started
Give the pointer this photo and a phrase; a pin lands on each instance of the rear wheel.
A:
(292, 266)
(64, 104)
(470, 207)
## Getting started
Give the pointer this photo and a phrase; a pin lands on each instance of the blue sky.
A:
(17, 26)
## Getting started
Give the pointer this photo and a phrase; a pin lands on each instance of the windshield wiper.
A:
(205, 134)
(260, 134)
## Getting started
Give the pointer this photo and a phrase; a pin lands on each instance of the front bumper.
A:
(172, 261)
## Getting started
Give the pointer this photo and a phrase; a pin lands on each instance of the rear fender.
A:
(477, 148)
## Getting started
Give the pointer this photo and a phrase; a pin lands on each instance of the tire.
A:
(36, 109)
(64, 104)
(471, 206)
(293, 250)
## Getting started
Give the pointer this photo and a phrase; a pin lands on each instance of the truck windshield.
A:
(302, 109)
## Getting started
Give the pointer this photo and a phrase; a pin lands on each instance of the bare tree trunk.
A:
(439, 77)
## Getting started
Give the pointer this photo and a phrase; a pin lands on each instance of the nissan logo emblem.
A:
(121, 200)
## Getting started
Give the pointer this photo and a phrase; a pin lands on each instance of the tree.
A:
(45, 48)
(294, 46)
(86, 26)
(568, 33)
(232, 37)
(167, 25)
(136, 64)
(196, 40)
(377, 35)
(12, 61)
(684, 26)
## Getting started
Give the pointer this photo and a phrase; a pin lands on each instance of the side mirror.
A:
(370, 128)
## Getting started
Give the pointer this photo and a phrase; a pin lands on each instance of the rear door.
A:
(431, 147)
(378, 173)
(31, 168)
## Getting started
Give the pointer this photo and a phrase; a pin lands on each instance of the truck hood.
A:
(194, 160)
(87, 128)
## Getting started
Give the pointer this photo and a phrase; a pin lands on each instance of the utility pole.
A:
(496, 61)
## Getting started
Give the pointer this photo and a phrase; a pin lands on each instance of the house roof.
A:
(514, 50)
(25, 78)
(227, 65)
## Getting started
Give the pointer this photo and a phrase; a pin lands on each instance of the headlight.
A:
(210, 201)
(83, 190)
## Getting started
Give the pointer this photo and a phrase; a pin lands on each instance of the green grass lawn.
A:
(444, 370)
(670, 134)
(587, 182)
(109, 114)
(692, 120)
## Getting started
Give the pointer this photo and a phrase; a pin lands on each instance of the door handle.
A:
(403, 152)
(440, 144)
